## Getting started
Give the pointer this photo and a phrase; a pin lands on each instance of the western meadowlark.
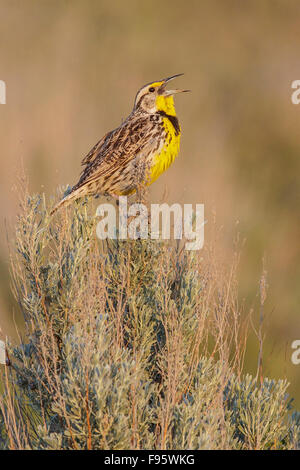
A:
(137, 152)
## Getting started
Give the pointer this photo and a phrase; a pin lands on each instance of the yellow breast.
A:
(169, 151)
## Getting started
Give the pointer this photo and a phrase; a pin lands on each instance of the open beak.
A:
(162, 89)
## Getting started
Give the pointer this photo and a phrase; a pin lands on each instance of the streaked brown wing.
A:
(95, 150)
(117, 148)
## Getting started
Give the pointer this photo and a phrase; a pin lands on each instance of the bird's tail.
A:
(67, 200)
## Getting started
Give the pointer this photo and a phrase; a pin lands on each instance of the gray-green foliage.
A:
(116, 351)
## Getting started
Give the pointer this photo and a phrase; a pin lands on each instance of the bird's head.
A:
(154, 97)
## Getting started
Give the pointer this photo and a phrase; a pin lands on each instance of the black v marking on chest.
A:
(173, 119)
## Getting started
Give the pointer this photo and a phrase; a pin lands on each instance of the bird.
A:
(137, 152)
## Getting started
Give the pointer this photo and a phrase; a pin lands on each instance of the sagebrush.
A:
(134, 344)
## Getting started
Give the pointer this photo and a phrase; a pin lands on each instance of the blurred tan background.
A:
(72, 69)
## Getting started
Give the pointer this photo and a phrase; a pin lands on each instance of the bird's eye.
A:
(152, 89)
